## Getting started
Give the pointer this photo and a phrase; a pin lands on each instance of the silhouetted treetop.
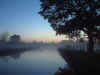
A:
(71, 16)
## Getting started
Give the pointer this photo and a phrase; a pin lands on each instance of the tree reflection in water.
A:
(14, 54)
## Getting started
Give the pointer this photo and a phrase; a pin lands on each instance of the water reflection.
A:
(13, 55)
(45, 61)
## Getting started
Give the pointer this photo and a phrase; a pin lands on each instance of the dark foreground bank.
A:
(80, 63)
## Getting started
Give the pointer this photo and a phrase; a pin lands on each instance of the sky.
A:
(21, 17)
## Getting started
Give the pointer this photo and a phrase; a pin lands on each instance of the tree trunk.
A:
(90, 45)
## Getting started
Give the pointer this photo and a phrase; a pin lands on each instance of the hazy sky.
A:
(21, 17)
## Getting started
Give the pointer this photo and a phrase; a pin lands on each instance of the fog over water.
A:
(42, 61)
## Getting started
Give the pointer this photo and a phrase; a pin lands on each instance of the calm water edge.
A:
(43, 61)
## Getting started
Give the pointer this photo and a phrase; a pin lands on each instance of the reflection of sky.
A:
(21, 17)
(45, 62)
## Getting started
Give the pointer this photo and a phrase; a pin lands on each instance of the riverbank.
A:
(80, 62)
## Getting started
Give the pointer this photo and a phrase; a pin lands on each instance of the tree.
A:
(4, 36)
(69, 17)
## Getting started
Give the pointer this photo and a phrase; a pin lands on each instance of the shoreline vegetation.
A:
(7, 48)
(10, 48)
(79, 61)
(14, 44)
(73, 52)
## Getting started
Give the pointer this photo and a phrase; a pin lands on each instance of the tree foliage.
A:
(4, 36)
(69, 17)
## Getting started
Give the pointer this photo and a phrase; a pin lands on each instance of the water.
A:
(44, 61)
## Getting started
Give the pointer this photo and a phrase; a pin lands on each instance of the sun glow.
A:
(45, 39)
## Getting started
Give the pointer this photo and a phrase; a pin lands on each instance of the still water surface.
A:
(44, 61)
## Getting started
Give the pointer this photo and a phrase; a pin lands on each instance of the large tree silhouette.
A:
(69, 17)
